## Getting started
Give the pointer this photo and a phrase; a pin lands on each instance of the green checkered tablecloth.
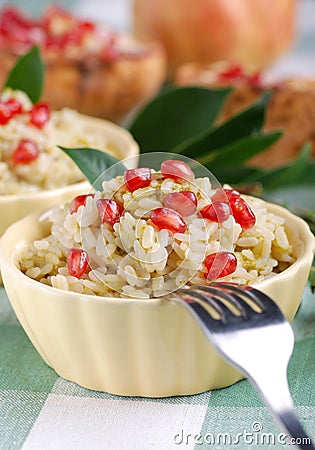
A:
(39, 410)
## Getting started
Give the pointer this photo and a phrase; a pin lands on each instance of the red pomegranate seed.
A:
(254, 80)
(177, 170)
(86, 27)
(184, 202)
(220, 265)
(235, 74)
(5, 113)
(78, 261)
(11, 17)
(26, 152)
(110, 211)
(73, 37)
(78, 201)
(40, 114)
(216, 212)
(53, 43)
(137, 178)
(14, 106)
(232, 73)
(168, 219)
(17, 32)
(224, 195)
(242, 213)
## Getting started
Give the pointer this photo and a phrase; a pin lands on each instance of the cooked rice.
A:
(135, 259)
(52, 169)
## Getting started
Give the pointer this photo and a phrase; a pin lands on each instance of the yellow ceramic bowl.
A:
(134, 347)
(119, 144)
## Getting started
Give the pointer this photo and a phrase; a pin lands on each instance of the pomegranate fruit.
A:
(250, 32)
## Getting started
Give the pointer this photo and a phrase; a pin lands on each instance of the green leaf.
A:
(308, 175)
(288, 174)
(28, 75)
(248, 122)
(241, 150)
(234, 175)
(300, 199)
(96, 165)
(175, 115)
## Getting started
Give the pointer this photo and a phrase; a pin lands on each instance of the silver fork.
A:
(254, 337)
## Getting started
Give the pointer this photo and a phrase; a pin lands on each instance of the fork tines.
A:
(228, 300)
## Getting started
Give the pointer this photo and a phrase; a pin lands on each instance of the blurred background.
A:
(118, 14)
(276, 38)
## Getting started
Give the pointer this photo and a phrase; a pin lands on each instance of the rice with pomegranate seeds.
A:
(52, 168)
(134, 258)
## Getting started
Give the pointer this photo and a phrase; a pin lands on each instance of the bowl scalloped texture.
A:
(120, 144)
(136, 347)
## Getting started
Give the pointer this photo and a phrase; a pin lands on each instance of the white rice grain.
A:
(135, 259)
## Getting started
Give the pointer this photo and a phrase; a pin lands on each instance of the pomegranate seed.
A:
(78, 261)
(14, 106)
(177, 170)
(216, 211)
(11, 17)
(78, 201)
(40, 114)
(254, 80)
(232, 73)
(86, 27)
(5, 113)
(235, 74)
(73, 37)
(137, 178)
(52, 43)
(26, 152)
(13, 26)
(110, 211)
(224, 195)
(184, 202)
(168, 219)
(220, 264)
(242, 213)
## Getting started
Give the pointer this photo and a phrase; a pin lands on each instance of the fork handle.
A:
(281, 406)
(273, 386)
(291, 423)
